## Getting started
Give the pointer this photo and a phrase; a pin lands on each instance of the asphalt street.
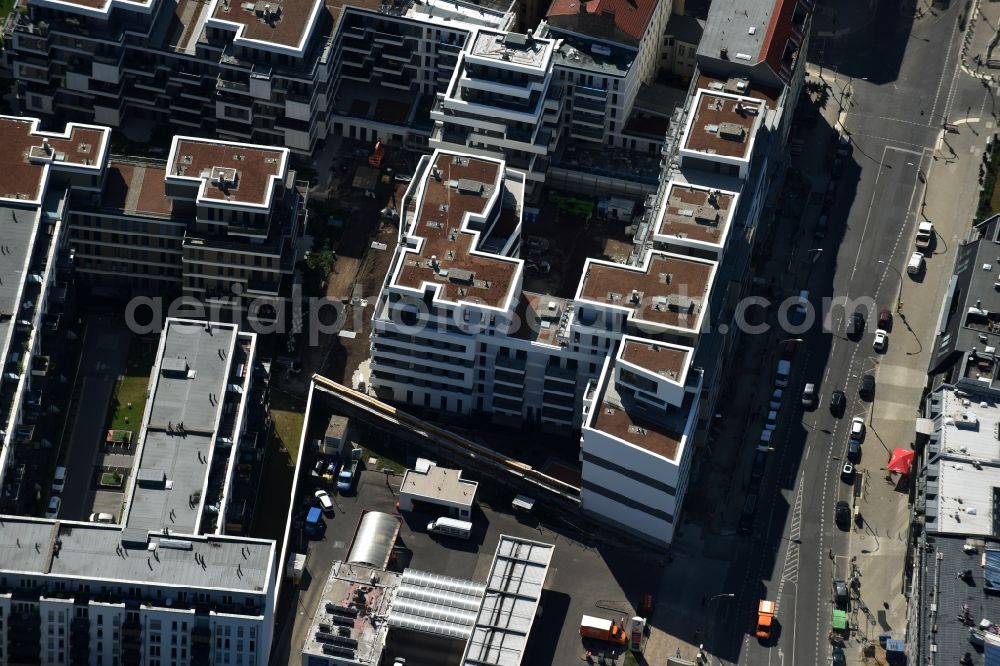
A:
(896, 82)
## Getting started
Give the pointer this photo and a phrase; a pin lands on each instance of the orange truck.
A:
(765, 619)
(603, 630)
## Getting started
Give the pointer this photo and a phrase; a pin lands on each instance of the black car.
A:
(838, 402)
(867, 388)
(854, 451)
(749, 512)
(842, 514)
(759, 465)
(840, 594)
(856, 325)
(839, 659)
(847, 472)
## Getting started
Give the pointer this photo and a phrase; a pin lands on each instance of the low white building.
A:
(430, 485)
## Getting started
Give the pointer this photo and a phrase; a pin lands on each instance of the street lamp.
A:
(899, 293)
(702, 654)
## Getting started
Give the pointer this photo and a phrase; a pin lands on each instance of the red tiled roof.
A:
(630, 16)
(779, 31)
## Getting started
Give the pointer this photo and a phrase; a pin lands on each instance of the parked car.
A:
(916, 264)
(59, 480)
(841, 594)
(838, 403)
(854, 451)
(839, 658)
(837, 168)
(842, 514)
(54, 503)
(106, 518)
(821, 226)
(775, 402)
(324, 500)
(809, 396)
(857, 428)
(867, 388)
(847, 472)
(881, 342)
(771, 422)
(885, 319)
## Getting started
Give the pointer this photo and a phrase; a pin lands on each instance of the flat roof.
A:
(666, 360)
(338, 607)
(723, 124)
(631, 425)
(94, 552)
(451, 188)
(29, 154)
(544, 319)
(95, 7)
(667, 290)
(702, 214)
(513, 588)
(136, 189)
(228, 172)
(284, 24)
(941, 639)
(181, 426)
(439, 483)
(512, 47)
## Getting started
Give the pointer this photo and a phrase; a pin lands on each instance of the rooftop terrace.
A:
(450, 189)
(628, 421)
(285, 24)
(723, 124)
(29, 154)
(136, 189)
(661, 359)
(668, 290)
(700, 214)
(512, 47)
(228, 172)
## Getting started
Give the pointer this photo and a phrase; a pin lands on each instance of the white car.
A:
(106, 518)
(324, 499)
(881, 340)
(772, 420)
(59, 480)
(54, 505)
(858, 428)
(775, 403)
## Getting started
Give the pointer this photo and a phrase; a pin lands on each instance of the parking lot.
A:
(582, 579)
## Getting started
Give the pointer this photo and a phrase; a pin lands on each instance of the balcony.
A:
(231, 86)
(587, 91)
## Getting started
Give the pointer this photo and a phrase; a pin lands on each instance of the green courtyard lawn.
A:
(129, 399)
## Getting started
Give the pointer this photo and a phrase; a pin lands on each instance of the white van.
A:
(916, 263)
(59, 480)
(105, 518)
(461, 529)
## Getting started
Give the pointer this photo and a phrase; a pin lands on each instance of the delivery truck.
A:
(765, 619)
(603, 630)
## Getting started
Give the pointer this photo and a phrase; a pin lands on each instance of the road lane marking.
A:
(947, 57)
(871, 204)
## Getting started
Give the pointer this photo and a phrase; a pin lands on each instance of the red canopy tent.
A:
(901, 461)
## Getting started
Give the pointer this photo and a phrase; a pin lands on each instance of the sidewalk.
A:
(846, 17)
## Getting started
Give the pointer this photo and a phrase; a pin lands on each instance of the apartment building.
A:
(634, 358)
(166, 586)
(608, 50)
(680, 44)
(501, 102)
(218, 222)
(243, 71)
(38, 170)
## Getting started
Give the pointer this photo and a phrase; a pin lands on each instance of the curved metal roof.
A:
(374, 539)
